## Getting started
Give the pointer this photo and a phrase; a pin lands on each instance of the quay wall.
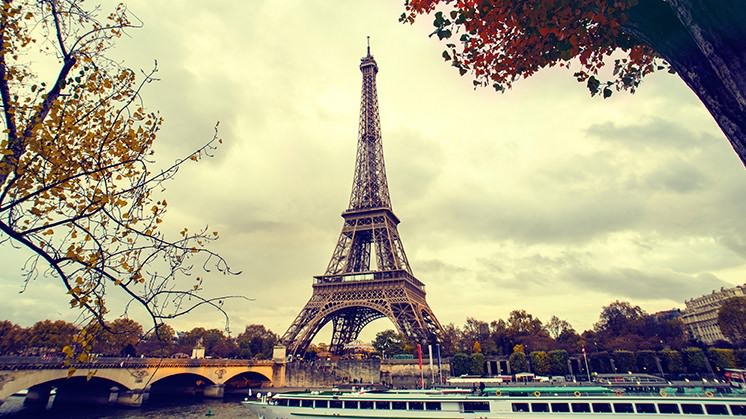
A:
(330, 373)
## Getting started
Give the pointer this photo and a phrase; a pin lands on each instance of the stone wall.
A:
(322, 373)
(392, 373)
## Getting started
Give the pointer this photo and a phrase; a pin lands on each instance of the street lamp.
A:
(587, 370)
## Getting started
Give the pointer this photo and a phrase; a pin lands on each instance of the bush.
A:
(477, 364)
(558, 362)
(672, 361)
(460, 364)
(625, 361)
(600, 362)
(539, 362)
(647, 362)
(518, 363)
(720, 359)
(694, 360)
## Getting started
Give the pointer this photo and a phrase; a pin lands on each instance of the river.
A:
(13, 409)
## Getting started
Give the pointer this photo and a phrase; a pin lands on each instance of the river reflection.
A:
(13, 409)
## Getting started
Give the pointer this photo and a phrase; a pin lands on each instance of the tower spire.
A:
(368, 45)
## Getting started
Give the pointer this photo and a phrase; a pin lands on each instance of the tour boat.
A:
(507, 402)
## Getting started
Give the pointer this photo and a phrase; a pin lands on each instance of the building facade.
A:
(700, 316)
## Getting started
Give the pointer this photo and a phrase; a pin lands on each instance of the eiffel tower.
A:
(352, 293)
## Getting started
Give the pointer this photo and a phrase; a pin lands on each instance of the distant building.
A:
(672, 314)
(700, 316)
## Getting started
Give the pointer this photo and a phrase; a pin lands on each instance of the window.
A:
(432, 406)
(476, 407)
(416, 406)
(645, 408)
(293, 402)
(282, 402)
(399, 405)
(306, 403)
(738, 409)
(365, 404)
(580, 407)
(668, 408)
(322, 403)
(335, 404)
(716, 409)
(350, 404)
(520, 407)
(383, 405)
(539, 407)
(601, 407)
(623, 408)
(692, 409)
(560, 407)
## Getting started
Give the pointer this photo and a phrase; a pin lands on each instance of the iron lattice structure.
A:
(353, 292)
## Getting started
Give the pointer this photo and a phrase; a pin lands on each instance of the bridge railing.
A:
(34, 362)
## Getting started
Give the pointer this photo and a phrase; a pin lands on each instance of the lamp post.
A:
(587, 370)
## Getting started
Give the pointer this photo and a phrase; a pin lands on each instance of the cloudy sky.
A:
(542, 199)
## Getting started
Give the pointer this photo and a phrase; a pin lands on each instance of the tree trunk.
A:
(705, 42)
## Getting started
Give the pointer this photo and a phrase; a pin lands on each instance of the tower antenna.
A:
(368, 45)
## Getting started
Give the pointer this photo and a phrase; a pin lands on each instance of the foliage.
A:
(624, 361)
(740, 355)
(518, 362)
(556, 327)
(451, 340)
(732, 319)
(672, 361)
(257, 342)
(50, 336)
(720, 359)
(477, 364)
(647, 362)
(539, 362)
(159, 342)
(460, 364)
(77, 182)
(600, 362)
(389, 342)
(694, 359)
(118, 335)
(502, 41)
(558, 362)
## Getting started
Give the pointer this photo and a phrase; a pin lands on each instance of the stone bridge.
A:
(130, 381)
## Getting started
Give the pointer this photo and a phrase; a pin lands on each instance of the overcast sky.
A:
(542, 199)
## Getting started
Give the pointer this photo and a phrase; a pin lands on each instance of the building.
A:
(700, 316)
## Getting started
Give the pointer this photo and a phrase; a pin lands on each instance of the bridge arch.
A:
(43, 380)
(179, 384)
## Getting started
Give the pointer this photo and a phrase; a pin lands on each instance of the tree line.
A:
(625, 338)
(125, 337)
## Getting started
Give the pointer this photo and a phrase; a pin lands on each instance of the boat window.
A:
(293, 402)
(306, 403)
(560, 407)
(399, 405)
(366, 404)
(668, 408)
(738, 409)
(601, 407)
(322, 403)
(645, 408)
(476, 407)
(520, 407)
(432, 406)
(335, 404)
(282, 402)
(350, 404)
(539, 407)
(692, 409)
(623, 408)
(383, 405)
(716, 409)
(416, 406)
(580, 407)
